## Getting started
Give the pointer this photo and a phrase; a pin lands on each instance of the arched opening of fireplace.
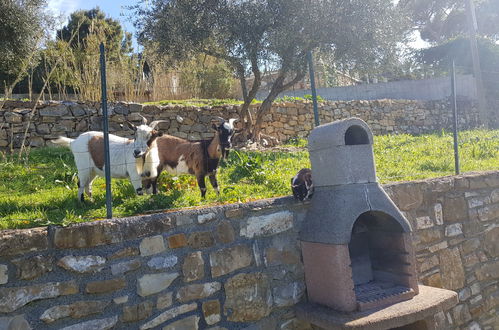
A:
(379, 256)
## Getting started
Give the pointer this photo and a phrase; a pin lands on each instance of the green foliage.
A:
(200, 102)
(21, 31)
(216, 81)
(74, 58)
(208, 77)
(296, 142)
(458, 49)
(307, 97)
(252, 34)
(440, 58)
(42, 189)
(439, 20)
(86, 23)
(407, 157)
(247, 166)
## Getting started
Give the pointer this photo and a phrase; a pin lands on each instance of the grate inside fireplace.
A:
(370, 294)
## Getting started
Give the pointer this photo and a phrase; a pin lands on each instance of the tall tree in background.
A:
(89, 22)
(440, 57)
(276, 34)
(76, 52)
(21, 31)
(440, 20)
(445, 24)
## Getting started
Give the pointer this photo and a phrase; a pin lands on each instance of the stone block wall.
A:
(286, 120)
(456, 233)
(231, 266)
(237, 266)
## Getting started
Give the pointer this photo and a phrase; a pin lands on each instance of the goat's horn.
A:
(144, 119)
(156, 122)
(219, 118)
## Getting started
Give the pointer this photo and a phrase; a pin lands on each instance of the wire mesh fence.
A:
(172, 85)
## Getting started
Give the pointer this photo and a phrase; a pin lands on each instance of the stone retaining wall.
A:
(237, 266)
(286, 120)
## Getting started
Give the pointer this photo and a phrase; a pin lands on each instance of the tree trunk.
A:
(245, 115)
(277, 88)
(262, 111)
(30, 85)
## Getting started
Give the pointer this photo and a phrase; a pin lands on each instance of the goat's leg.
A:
(83, 181)
(214, 183)
(88, 187)
(154, 184)
(146, 185)
(202, 185)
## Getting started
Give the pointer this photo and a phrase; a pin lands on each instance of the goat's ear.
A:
(155, 133)
(130, 125)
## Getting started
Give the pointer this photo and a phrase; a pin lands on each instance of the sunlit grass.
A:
(407, 157)
(199, 102)
(42, 189)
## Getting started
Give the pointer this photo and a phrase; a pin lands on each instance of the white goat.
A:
(126, 155)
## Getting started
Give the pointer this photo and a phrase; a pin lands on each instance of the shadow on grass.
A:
(68, 209)
(150, 203)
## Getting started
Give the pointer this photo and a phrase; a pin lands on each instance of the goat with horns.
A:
(126, 155)
(179, 156)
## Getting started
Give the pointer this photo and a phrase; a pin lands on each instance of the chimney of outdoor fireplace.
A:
(356, 244)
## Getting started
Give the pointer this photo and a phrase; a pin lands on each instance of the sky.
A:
(117, 10)
(113, 8)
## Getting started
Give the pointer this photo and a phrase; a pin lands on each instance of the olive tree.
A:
(257, 35)
(21, 30)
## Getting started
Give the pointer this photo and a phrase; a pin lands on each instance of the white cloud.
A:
(63, 7)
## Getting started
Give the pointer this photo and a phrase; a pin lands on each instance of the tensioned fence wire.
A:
(490, 78)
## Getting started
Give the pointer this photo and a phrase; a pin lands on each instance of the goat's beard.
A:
(139, 164)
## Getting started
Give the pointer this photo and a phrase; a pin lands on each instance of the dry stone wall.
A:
(286, 120)
(237, 266)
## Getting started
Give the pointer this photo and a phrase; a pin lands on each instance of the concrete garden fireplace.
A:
(356, 244)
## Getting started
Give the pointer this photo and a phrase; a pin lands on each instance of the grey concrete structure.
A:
(357, 247)
(341, 154)
(424, 89)
(329, 221)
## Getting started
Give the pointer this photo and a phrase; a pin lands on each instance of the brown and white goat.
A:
(179, 156)
(125, 155)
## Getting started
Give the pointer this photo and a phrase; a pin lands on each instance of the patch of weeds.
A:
(296, 142)
(246, 166)
(200, 102)
(310, 97)
(307, 97)
(481, 148)
(436, 166)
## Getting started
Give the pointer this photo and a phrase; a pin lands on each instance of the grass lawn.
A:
(42, 189)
